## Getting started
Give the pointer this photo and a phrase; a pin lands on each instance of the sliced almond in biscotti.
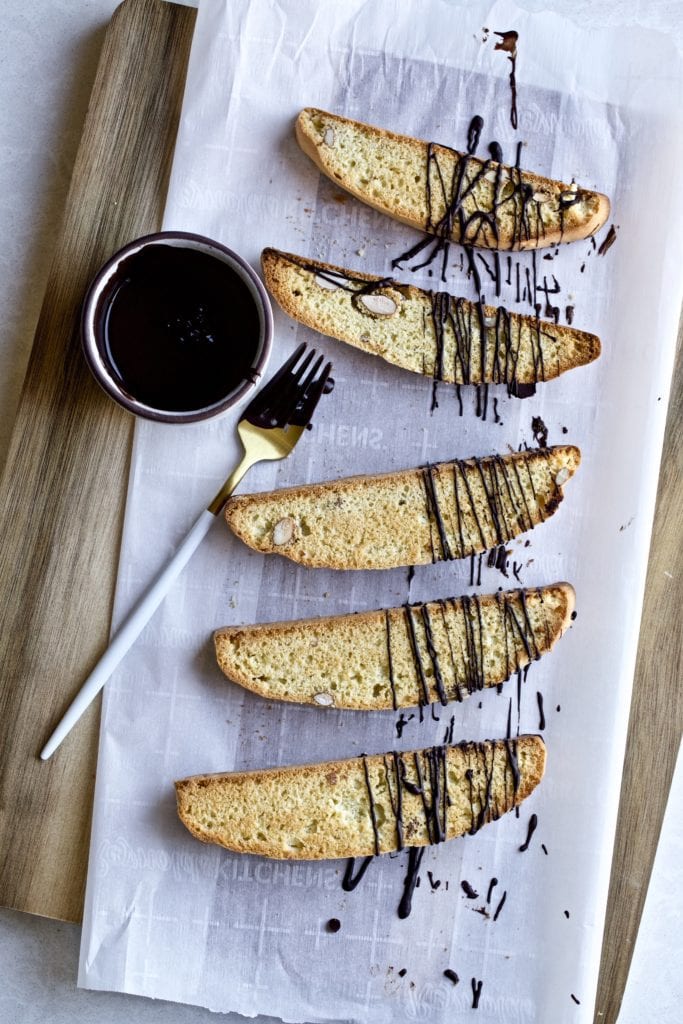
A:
(409, 517)
(433, 333)
(446, 193)
(363, 806)
(399, 657)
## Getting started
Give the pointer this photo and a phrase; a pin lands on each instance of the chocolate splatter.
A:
(541, 714)
(533, 822)
(540, 431)
(468, 890)
(608, 241)
(500, 905)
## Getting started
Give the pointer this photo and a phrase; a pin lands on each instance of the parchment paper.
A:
(168, 917)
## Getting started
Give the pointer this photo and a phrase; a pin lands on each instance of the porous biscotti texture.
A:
(409, 517)
(426, 332)
(447, 193)
(310, 812)
(398, 657)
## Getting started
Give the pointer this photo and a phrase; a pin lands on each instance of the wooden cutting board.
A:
(61, 512)
(63, 490)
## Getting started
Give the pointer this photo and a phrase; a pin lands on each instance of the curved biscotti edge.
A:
(528, 750)
(579, 229)
(238, 504)
(278, 265)
(238, 509)
(225, 637)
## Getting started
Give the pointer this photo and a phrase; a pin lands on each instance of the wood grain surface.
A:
(656, 721)
(63, 489)
(61, 509)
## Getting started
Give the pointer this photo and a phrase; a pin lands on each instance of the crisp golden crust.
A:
(389, 172)
(365, 661)
(389, 520)
(517, 347)
(319, 811)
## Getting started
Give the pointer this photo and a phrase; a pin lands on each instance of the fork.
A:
(269, 429)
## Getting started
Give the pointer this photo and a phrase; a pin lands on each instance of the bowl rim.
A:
(91, 338)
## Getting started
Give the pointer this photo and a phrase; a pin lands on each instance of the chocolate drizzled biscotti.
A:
(454, 196)
(363, 806)
(411, 517)
(418, 654)
(433, 333)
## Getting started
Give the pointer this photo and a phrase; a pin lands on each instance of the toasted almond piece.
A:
(284, 531)
(378, 304)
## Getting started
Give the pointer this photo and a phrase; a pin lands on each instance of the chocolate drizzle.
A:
(452, 194)
(540, 431)
(350, 881)
(533, 822)
(474, 133)
(508, 43)
(500, 905)
(488, 344)
(502, 486)
(541, 713)
(608, 241)
(415, 855)
(455, 667)
(485, 344)
(424, 774)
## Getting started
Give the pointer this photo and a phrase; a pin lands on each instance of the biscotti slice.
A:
(364, 806)
(433, 333)
(452, 195)
(411, 517)
(398, 657)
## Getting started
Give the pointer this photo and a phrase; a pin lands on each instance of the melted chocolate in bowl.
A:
(180, 328)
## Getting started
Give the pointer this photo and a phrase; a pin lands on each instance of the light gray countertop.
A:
(48, 55)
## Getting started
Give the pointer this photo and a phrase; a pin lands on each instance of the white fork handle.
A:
(129, 631)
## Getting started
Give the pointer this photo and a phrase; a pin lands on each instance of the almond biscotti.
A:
(433, 333)
(398, 657)
(363, 806)
(411, 517)
(452, 195)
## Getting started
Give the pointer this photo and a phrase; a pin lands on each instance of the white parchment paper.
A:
(168, 917)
